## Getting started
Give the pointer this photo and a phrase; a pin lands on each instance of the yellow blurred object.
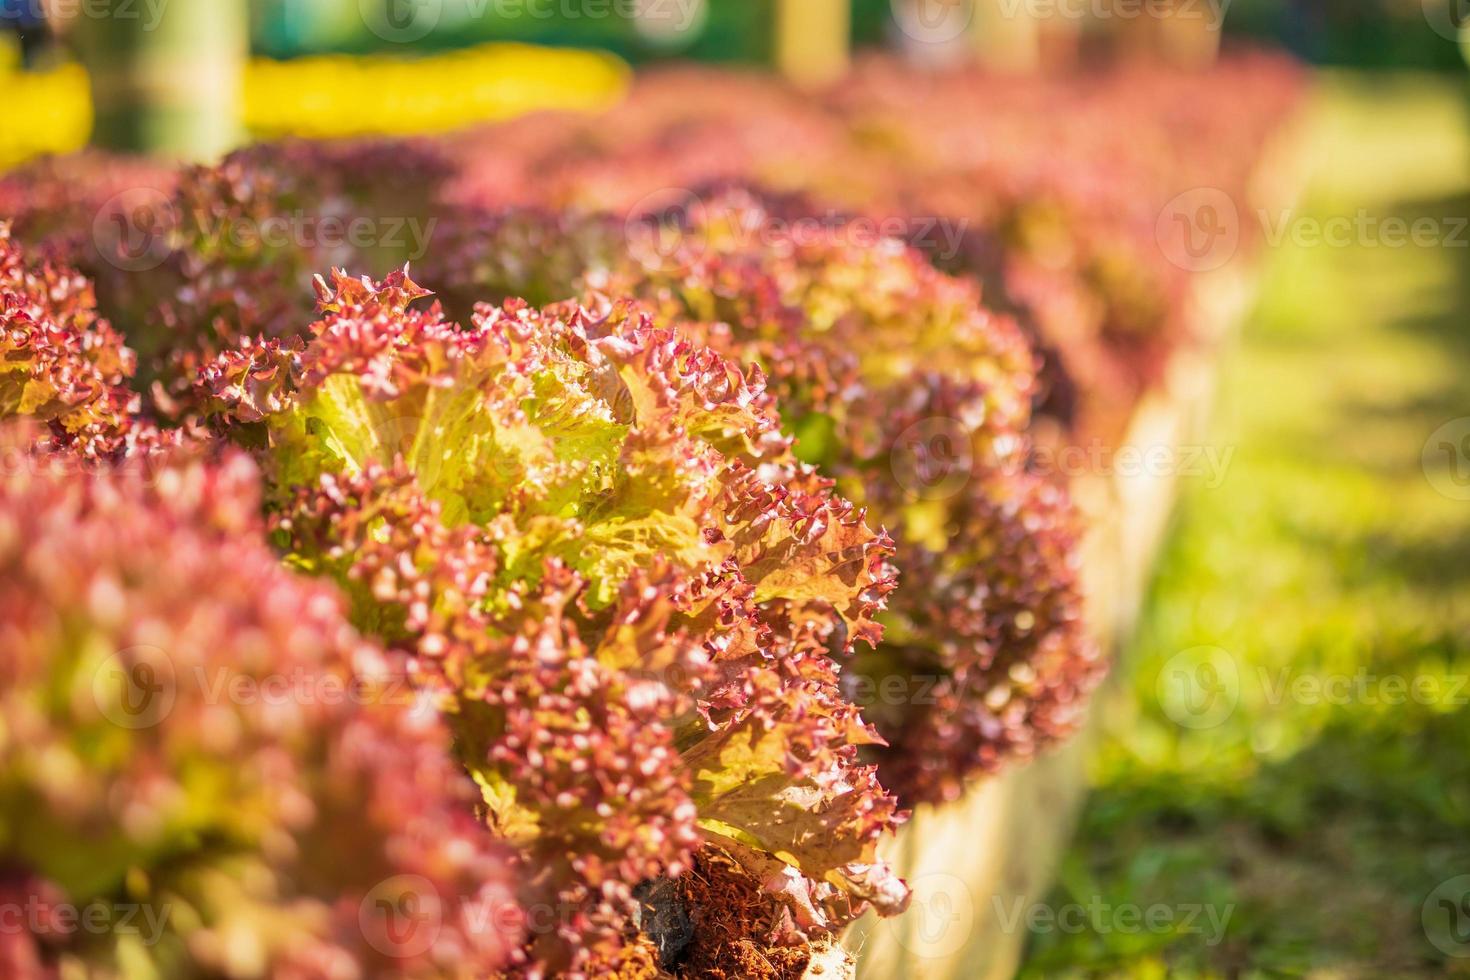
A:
(341, 95)
(46, 112)
(813, 40)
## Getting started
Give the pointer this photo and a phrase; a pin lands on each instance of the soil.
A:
(729, 925)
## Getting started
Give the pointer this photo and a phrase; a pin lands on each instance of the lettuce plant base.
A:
(715, 921)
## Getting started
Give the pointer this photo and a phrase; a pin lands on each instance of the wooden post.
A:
(1184, 34)
(813, 40)
(1189, 36)
(165, 76)
(1060, 41)
(1007, 35)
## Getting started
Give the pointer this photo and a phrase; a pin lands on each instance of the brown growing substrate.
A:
(728, 919)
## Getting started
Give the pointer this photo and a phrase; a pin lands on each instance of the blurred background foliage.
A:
(1320, 824)
(318, 69)
(719, 30)
(1351, 33)
(1365, 33)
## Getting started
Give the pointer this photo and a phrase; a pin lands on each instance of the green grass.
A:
(1320, 825)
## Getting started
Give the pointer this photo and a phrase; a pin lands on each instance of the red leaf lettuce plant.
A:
(899, 386)
(204, 770)
(623, 587)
